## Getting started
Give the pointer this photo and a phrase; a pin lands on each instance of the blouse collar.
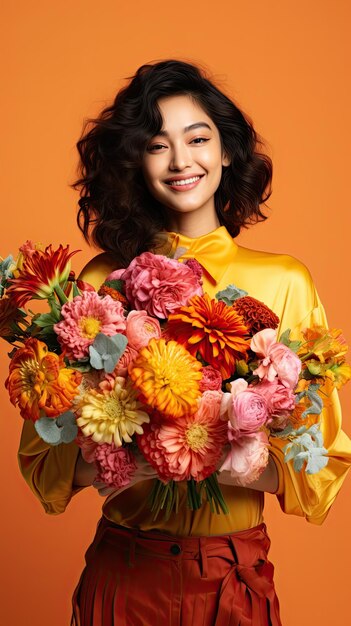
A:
(214, 250)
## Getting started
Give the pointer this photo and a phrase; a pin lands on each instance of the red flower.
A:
(256, 314)
(42, 271)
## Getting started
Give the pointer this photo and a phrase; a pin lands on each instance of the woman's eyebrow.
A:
(164, 133)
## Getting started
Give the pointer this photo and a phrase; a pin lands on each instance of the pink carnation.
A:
(188, 447)
(195, 266)
(211, 379)
(158, 285)
(116, 465)
(248, 457)
(85, 317)
(141, 328)
(278, 359)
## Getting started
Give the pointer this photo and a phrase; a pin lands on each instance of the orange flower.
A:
(324, 343)
(42, 272)
(38, 380)
(213, 329)
(167, 377)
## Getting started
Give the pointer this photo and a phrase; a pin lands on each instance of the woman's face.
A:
(182, 165)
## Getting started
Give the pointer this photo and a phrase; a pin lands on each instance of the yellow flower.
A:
(167, 377)
(112, 414)
(339, 374)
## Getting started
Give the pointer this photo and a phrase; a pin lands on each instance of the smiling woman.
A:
(174, 166)
(197, 154)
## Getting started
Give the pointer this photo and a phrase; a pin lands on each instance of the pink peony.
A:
(211, 379)
(116, 465)
(158, 285)
(141, 328)
(278, 359)
(248, 457)
(188, 447)
(85, 317)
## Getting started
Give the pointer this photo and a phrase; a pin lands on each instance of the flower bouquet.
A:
(150, 362)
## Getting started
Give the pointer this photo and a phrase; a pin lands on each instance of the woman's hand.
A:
(144, 471)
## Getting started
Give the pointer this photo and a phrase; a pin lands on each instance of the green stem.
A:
(60, 294)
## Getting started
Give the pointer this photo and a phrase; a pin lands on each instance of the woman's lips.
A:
(184, 187)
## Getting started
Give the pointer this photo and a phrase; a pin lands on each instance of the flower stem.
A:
(60, 294)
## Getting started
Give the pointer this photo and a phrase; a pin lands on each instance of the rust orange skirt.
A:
(136, 578)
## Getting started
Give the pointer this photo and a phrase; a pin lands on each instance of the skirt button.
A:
(175, 549)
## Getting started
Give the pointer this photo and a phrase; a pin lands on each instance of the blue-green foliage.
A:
(62, 429)
(106, 351)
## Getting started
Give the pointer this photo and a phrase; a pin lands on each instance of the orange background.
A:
(285, 64)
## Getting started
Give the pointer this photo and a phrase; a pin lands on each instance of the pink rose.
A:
(247, 458)
(116, 466)
(246, 409)
(250, 411)
(141, 328)
(278, 359)
(211, 379)
(158, 285)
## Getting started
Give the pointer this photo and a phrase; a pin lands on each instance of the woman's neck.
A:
(192, 224)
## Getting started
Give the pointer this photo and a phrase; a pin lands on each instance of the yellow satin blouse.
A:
(284, 284)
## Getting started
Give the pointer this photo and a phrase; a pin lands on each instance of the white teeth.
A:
(186, 181)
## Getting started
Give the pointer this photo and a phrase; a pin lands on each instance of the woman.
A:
(174, 163)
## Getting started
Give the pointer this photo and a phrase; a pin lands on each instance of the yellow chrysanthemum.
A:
(113, 414)
(167, 377)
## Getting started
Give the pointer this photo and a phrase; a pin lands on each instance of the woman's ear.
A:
(225, 159)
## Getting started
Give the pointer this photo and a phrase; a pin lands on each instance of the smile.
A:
(185, 183)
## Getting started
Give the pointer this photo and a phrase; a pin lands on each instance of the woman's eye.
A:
(200, 139)
(156, 145)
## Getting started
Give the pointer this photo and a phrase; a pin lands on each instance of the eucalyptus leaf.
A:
(106, 351)
(62, 429)
(230, 294)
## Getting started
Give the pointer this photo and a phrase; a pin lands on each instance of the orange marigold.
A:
(38, 380)
(167, 377)
(256, 314)
(213, 329)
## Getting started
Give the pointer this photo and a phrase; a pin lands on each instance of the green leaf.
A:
(230, 294)
(118, 285)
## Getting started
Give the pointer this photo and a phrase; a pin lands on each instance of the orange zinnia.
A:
(212, 329)
(38, 380)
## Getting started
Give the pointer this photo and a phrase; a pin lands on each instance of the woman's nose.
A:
(181, 158)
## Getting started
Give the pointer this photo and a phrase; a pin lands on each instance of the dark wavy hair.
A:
(116, 210)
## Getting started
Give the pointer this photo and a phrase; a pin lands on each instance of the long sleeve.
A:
(311, 495)
(48, 470)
